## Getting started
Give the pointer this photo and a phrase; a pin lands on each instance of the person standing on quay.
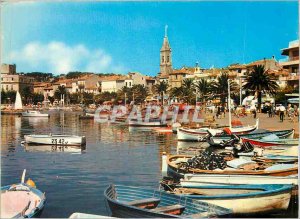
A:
(281, 112)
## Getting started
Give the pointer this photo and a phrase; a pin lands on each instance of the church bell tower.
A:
(165, 56)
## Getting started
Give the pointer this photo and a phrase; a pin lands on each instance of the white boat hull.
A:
(258, 204)
(193, 134)
(36, 114)
(55, 139)
(147, 124)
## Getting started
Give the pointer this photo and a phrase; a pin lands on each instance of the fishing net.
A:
(206, 160)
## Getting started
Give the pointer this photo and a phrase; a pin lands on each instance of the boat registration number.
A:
(59, 141)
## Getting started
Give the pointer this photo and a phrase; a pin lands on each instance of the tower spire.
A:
(166, 29)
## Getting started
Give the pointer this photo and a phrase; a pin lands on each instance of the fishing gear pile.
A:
(206, 160)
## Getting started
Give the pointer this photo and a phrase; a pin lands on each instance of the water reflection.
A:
(55, 148)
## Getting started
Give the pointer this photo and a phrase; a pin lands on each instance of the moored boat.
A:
(34, 113)
(200, 134)
(175, 170)
(150, 123)
(271, 143)
(135, 202)
(87, 116)
(223, 179)
(21, 200)
(217, 140)
(164, 130)
(241, 199)
(55, 139)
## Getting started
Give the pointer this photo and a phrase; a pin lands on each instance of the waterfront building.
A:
(12, 81)
(291, 63)
(115, 83)
(177, 76)
(88, 83)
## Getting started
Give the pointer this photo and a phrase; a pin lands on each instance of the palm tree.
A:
(176, 92)
(140, 92)
(125, 90)
(188, 90)
(161, 88)
(203, 87)
(27, 93)
(258, 80)
(60, 91)
(220, 86)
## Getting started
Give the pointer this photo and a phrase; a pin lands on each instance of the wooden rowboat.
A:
(223, 179)
(186, 134)
(241, 199)
(217, 140)
(21, 200)
(135, 202)
(55, 139)
(177, 172)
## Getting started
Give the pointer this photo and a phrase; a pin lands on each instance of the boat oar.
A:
(23, 176)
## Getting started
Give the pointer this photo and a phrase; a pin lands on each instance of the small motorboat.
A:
(55, 139)
(21, 200)
(135, 202)
(34, 113)
(241, 199)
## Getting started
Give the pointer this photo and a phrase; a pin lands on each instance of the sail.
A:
(18, 103)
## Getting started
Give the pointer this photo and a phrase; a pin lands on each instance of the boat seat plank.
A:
(171, 209)
(144, 203)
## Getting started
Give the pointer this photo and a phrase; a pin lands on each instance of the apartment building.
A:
(11, 81)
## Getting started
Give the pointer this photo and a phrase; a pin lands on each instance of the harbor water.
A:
(74, 180)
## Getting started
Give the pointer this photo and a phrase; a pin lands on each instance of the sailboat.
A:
(18, 103)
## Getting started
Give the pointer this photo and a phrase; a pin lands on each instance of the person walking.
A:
(254, 112)
(281, 112)
(218, 112)
(270, 112)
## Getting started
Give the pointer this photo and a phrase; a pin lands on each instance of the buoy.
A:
(31, 183)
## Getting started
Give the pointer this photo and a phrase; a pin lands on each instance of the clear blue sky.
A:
(127, 36)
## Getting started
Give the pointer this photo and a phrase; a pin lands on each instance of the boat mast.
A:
(229, 104)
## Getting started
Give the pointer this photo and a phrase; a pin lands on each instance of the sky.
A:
(121, 37)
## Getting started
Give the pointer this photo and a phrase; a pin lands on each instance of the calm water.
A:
(74, 181)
